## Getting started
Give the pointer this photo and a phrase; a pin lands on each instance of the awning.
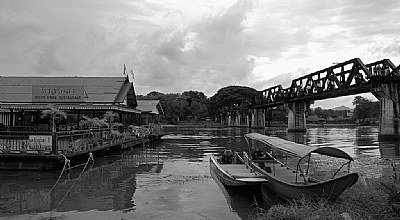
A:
(89, 106)
(297, 150)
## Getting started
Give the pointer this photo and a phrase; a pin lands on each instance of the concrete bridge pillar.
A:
(237, 120)
(258, 118)
(230, 119)
(388, 95)
(297, 116)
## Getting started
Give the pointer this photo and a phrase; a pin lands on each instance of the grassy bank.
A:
(365, 200)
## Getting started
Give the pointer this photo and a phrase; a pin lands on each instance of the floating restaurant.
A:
(45, 120)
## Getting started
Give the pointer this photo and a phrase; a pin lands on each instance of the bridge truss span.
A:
(381, 78)
(342, 79)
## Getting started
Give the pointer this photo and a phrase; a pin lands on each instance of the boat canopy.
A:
(295, 149)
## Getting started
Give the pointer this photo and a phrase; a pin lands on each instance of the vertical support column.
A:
(388, 95)
(258, 118)
(229, 119)
(54, 142)
(297, 116)
(12, 118)
(236, 121)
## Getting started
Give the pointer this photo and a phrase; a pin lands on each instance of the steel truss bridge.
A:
(347, 78)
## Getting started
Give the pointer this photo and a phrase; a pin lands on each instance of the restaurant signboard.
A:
(40, 142)
(57, 93)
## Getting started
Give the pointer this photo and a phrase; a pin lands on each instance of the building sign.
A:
(54, 93)
(40, 142)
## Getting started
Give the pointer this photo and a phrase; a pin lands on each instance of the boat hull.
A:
(234, 181)
(329, 190)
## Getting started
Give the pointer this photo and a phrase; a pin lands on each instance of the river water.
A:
(168, 179)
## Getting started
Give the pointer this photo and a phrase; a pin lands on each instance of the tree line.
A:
(365, 111)
(194, 105)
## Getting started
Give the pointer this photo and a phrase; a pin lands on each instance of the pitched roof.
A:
(96, 89)
(151, 106)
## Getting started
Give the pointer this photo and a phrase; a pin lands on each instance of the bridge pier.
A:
(297, 116)
(388, 95)
(237, 119)
(257, 118)
(230, 119)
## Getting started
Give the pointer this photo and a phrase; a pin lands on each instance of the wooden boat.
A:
(235, 172)
(294, 184)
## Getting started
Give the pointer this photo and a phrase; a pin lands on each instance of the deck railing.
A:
(17, 140)
(28, 141)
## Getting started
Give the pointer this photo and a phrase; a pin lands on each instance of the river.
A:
(168, 179)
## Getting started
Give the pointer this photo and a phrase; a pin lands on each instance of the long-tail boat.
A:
(295, 183)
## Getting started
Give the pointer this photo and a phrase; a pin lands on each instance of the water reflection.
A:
(107, 186)
(389, 150)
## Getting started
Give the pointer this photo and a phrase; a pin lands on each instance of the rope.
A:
(67, 166)
(65, 196)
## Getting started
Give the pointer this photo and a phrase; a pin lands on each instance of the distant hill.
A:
(341, 108)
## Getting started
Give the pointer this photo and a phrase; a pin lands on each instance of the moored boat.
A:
(234, 172)
(296, 184)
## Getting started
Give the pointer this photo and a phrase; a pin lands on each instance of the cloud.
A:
(203, 45)
(211, 52)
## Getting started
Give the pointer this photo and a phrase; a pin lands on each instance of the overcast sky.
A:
(203, 45)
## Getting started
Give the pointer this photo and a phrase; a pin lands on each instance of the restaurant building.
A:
(151, 111)
(101, 114)
(23, 98)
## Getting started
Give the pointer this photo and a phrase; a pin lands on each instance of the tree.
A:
(195, 104)
(359, 100)
(109, 117)
(194, 96)
(365, 108)
(232, 97)
(324, 113)
(55, 115)
(154, 93)
(196, 101)
(174, 106)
